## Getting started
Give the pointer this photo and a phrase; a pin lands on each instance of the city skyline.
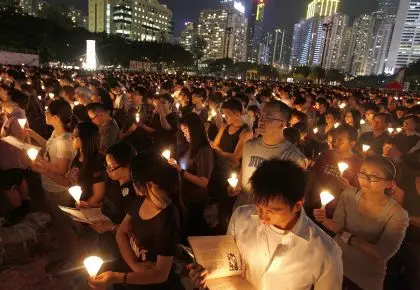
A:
(279, 13)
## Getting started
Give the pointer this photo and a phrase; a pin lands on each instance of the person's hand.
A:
(103, 227)
(320, 215)
(174, 164)
(39, 166)
(82, 204)
(343, 181)
(27, 132)
(198, 275)
(101, 281)
(234, 191)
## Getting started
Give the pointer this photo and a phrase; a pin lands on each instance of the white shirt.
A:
(286, 260)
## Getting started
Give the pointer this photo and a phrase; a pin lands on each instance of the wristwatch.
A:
(345, 237)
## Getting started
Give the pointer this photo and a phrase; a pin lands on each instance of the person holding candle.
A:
(409, 136)
(370, 112)
(379, 134)
(196, 168)
(353, 118)
(148, 236)
(199, 97)
(280, 246)
(369, 225)
(215, 120)
(325, 174)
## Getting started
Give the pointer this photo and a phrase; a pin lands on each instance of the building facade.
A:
(322, 8)
(224, 30)
(336, 43)
(188, 35)
(405, 44)
(255, 30)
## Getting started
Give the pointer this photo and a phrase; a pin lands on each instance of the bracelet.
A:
(345, 237)
(125, 278)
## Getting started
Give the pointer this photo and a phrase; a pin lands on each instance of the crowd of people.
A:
(156, 154)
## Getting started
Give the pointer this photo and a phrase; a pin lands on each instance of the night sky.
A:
(279, 13)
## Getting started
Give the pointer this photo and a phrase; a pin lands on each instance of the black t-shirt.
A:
(408, 141)
(118, 200)
(164, 138)
(155, 237)
(94, 173)
(376, 143)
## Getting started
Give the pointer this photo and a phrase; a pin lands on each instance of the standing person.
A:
(199, 97)
(280, 246)
(369, 225)
(409, 137)
(148, 236)
(379, 135)
(232, 136)
(108, 128)
(325, 175)
(185, 100)
(271, 144)
(196, 168)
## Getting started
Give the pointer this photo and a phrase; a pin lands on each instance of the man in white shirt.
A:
(280, 246)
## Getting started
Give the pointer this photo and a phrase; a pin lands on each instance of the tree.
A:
(197, 48)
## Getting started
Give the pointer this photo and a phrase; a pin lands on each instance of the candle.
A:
(326, 198)
(362, 122)
(390, 130)
(342, 105)
(399, 129)
(177, 106)
(22, 122)
(76, 103)
(76, 192)
(137, 117)
(51, 95)
(166, 154)
(233, 180)
(224, 116)
(336, 125)
(92, 265)
(365, 148)
(39, 98)
(315, 130)
(213, 113)
(342, 166)
(32, 153)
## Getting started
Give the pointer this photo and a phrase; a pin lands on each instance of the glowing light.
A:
(342, 166)
(32, 153)
(137, 117)
(39, 98)
(315, 130)
(76, 103)
(399, 129)
(22, 122)
(92, 265)
(75, 192)
(166, 154)
(390, 130)
(233, 180)
(177, 106)
(326, 198)
(342, 105)
(90, 55)
(239, 6)
(336, 125)
(362, 122)
(365, 148)
(51, 95)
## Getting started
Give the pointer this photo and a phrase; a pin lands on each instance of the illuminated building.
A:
(322, 8)
(143, 20)
(405, 44)
(187, 36)
(224, 30)
(336, 42)
(255, 29)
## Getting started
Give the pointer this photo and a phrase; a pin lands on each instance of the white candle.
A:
(213, 113)
(315, 130)
(76, 192)
(137, 117)
(39, 98)
(399, 129)
(166, 154)
(365, 148)
(51, 95)
(336, 125)
(177, 106)
(342, 166)
(390, 130)
(22, 122)
(76, 103)
(32, 153)
(326, 198)
(362, 122)
(92, 265)
(342, 105)
(233, 180)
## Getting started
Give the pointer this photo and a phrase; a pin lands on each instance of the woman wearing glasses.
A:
(369, 225)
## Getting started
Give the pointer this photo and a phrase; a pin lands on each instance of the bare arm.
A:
(202, 182)
(98, 194)
(124, 243)
(216, 142)
(38, 139)
(236, 156)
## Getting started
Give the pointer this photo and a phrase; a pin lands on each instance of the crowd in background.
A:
(106, 131)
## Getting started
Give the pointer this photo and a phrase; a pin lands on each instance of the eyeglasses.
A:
(271, 118)
(370, 178)
(110, 169)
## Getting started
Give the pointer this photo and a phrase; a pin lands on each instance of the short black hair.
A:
(216, 97)
(278, 179)
(97, 108)
(279, 106)
(414, 117)
(233, 104)
(386, 116)
(200, 92)
(349, 130)
(323, 101)
(122, 152)
(292, 134)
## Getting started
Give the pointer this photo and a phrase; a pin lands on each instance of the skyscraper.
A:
(335, 46)
(279, 50)
(405, 44)
(322, 8)
(187, 35)
(224, 30)
(99, 13)
(255, 30)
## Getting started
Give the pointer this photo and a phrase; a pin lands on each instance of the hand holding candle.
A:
(22, 122)
(32, 153)
(326, 198)
(233, 180)
(92, 265)
(166, 154)
(342, 166)
(76, 192)
(365, 148)
(137, 117)
(315, 130)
